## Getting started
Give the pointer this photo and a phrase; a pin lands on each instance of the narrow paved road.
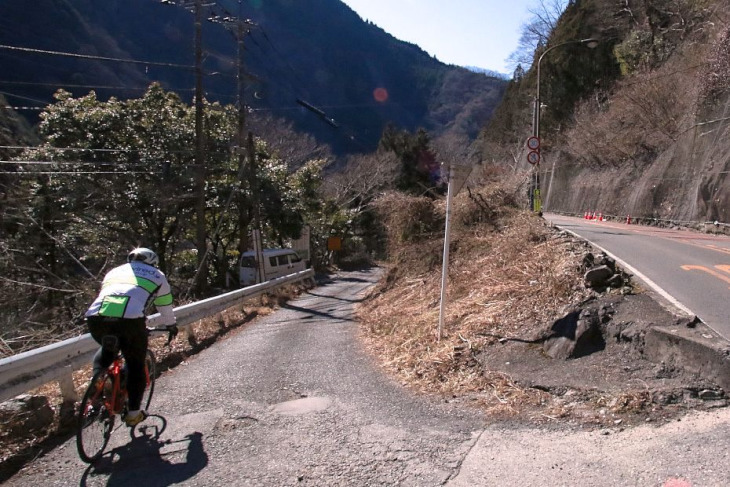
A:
(292, 400)
(690, 267)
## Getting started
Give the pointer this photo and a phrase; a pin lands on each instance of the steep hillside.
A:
(642, 127)
(14, 130)
(318, 51)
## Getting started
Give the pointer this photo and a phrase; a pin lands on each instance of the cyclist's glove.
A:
(171, 333)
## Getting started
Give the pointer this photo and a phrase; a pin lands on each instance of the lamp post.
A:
(535, 198)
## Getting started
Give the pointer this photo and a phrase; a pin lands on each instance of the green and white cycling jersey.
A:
(128, 289)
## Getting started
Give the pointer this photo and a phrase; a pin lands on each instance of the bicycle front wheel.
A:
(95, 422)
(150, 373)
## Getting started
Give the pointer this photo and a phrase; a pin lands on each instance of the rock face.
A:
(683, 180)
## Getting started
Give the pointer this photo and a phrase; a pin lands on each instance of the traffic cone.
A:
(628, 219)
(600, 217)
(585, 215)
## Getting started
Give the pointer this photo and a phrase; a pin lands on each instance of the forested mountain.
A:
(317, 51)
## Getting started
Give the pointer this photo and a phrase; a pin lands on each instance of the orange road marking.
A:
(709, 271)
(725, 268)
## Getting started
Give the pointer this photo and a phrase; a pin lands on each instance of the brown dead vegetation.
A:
(646, 112)
(509, 276)
(716, 79)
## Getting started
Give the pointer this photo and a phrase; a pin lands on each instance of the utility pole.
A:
(200, 170)
(253, 183)
(243, 220)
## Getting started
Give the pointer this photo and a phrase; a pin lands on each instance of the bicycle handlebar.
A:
(171, 331)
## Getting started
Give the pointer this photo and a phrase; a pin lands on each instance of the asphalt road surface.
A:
(690, 269)
(293, 400)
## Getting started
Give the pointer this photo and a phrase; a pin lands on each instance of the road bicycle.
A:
(106, 398)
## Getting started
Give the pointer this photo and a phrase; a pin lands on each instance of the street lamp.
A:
(591, 43)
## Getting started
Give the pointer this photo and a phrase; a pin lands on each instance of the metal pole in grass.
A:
(456, 179)
(445, 267)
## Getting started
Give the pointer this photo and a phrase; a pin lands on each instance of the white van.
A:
(277, 263)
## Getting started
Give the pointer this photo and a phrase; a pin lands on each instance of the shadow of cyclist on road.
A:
(142, 462)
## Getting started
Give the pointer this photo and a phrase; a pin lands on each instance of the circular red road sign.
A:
(533, 143)
(533, 157)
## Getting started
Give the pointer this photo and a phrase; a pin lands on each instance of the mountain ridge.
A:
(320, 51)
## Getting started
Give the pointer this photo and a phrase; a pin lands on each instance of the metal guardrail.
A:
(24, 371)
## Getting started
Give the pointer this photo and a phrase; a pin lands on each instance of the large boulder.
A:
(598, 277)
(26, 414)
(575, 335)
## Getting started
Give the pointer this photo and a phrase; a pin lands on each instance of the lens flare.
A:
(380, 95)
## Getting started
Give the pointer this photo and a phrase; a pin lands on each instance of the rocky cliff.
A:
(644, 130)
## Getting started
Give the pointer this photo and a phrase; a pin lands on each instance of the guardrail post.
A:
(67, 411)
(68, 389)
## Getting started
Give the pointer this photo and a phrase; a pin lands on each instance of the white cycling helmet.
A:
(144, 255)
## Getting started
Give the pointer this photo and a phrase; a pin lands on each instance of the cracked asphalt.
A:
(292, 400)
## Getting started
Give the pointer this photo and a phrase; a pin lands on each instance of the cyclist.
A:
(119, 311)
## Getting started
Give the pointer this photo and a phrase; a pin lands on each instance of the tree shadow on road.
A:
(357, 300)
(142, 461)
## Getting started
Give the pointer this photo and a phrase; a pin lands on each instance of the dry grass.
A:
(509, 276)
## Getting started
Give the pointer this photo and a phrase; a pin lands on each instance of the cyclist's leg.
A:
(133, 343)
(108, 351)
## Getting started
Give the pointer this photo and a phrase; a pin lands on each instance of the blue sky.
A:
(481, 33)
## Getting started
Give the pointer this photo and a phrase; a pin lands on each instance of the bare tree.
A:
(451, 148)
(363, 179)
(543, 19)
(296, 148)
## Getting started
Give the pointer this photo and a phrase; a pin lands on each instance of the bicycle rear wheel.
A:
(150, 373)
(95, 422)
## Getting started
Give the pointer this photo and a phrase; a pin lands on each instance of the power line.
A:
(35, 173)
(24, 97)
(8, 107)
(73, 163)
(144, 163)
(297, 76)
(83, 149)
(92, 87)
(95, 58)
